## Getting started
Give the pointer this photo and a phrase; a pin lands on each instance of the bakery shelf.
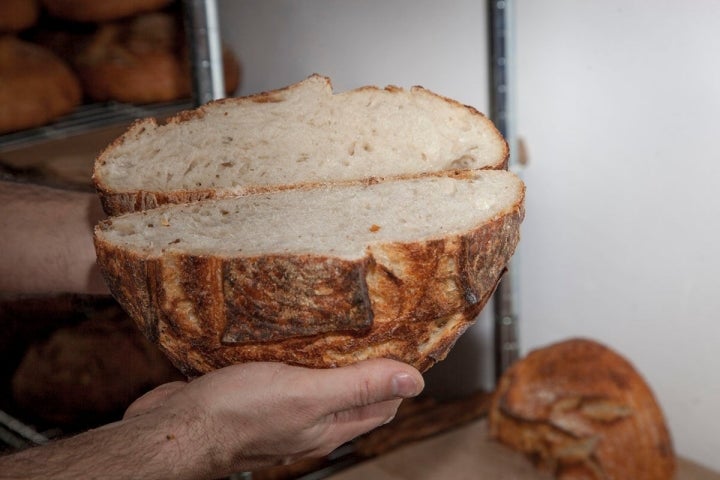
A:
(87, 118)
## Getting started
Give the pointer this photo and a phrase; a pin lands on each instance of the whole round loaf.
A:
(36, 87)
(582, 411)
(141, 60)
(90, 371)
(17, 15)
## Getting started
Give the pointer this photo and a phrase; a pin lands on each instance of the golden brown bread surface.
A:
(582, 411)
(36, 87)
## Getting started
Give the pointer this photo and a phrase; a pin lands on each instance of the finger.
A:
(349, 424)
(153, 399)
(363, 383)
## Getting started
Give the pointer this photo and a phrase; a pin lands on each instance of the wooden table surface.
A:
(468, 454)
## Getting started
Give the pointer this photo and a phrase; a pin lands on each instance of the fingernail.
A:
(404, 385)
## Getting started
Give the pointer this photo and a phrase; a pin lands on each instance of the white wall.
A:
(618, 103)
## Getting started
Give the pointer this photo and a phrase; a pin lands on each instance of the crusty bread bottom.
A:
(320, 277)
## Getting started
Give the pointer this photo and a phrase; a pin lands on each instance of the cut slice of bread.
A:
(296, 136)
(318, 276)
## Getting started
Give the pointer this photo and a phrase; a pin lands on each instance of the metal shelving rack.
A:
(500, 29)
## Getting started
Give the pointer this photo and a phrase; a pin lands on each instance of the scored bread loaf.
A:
(299, 135)
(36, 86)
(318, 276)
(582, 411)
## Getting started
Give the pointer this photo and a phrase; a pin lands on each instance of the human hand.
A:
(258, 414)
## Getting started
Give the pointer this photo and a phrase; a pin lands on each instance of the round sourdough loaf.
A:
(36, 87)
(582, 412)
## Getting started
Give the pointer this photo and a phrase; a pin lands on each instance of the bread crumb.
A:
(374, 228)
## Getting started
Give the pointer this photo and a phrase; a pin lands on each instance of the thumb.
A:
(365, 383)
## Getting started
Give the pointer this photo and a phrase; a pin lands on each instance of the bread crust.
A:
(17, 15)
(101, 11)
(419, 297)
(116, 202)
(36, 87)
(582, 412)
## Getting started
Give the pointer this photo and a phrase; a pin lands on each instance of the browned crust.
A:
(583, 412)
(119, 202)
(16, 15)
(101, 11)
(36, 87)
(139, 60)
(422, 297)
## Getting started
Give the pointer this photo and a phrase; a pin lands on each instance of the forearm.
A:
(144, 447)
(46, 241)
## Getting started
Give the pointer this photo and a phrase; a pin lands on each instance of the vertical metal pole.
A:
(506, 342)
(203, 35)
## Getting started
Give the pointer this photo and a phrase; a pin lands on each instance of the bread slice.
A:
(582, 411)
(299, 135)
(320, 277)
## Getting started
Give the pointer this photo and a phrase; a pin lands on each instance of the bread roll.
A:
(36, 87)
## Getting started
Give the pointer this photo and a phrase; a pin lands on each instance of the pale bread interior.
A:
(304, 134)
(334, 220)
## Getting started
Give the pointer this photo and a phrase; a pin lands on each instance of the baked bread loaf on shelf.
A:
(36, 86)
(89, 372)
(140, 60)
(17, 15)
(296, 136)
(101, 11)
(582, 411)
(320, 277)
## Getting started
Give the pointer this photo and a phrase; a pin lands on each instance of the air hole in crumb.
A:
(190, 167)
(227, 164)
(177, 240)
(367, 147)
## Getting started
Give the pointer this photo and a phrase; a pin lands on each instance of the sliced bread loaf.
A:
(299, 135)
(321, 276)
